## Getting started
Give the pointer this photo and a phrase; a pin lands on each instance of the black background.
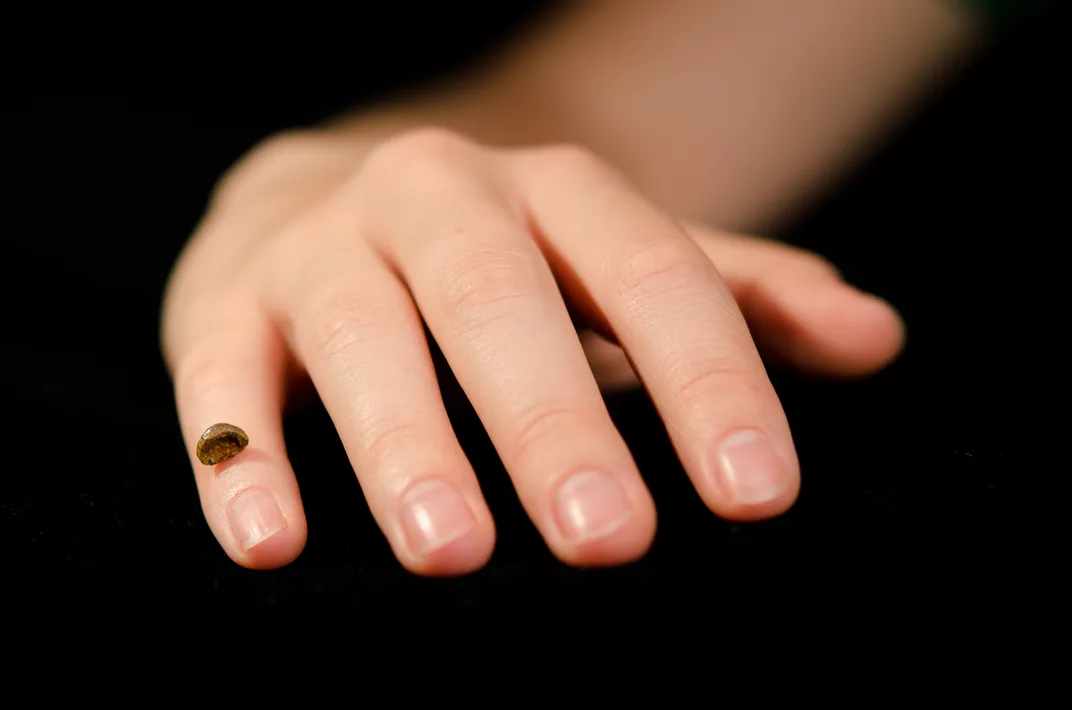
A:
(116, 126)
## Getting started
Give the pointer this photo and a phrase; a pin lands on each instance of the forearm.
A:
(734, 112)
(739, 111)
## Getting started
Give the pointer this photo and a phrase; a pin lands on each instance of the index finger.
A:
(231, 370)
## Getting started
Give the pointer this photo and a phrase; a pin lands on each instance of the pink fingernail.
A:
(255, 517)
(749, 470)
(591, 505)
(434, 514)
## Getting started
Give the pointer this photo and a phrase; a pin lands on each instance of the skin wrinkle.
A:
(698, 382)
(487, 346)
(481, 278)
(487, 287)
(662, 335)
(505, 381)
(535, 421)
(352, 365)
(347, 322)
(639, 307)
(382, 431)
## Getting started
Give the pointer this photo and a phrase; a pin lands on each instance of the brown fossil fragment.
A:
(219, 443)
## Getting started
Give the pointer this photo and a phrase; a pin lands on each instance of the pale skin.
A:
(496, 208)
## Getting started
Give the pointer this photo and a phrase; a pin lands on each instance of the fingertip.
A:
(624, 547)
(829, 328)
(274, 552)
(755, 511)
(887, 324)
(439, 526)
(867, 333)
(267, 527)
(467, 554)
(748, 475)
(619, 542)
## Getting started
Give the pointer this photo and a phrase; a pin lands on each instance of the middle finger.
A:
(491, 302)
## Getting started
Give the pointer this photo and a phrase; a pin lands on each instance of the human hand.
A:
(330, 271)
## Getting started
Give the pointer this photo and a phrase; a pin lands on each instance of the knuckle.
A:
(488, 283)
(544, 423)
(572, 158)
(426, 145)
(336, 321)
(201, 375)
(657, 266)
(264, 163)
(284, 147)
(390, 434)
(709, 382)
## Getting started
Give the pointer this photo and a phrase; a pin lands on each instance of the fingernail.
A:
(255, 517)
(749, 470)
(591, 505)
(434, 515)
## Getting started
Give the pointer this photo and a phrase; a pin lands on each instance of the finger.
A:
(230, 369)
(800, 312)
(355, 329)
(492, 304)
(668, 308)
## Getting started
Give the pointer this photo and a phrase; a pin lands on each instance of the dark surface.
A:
(116, 130)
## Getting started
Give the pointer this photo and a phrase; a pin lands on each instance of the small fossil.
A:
(219, 443)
